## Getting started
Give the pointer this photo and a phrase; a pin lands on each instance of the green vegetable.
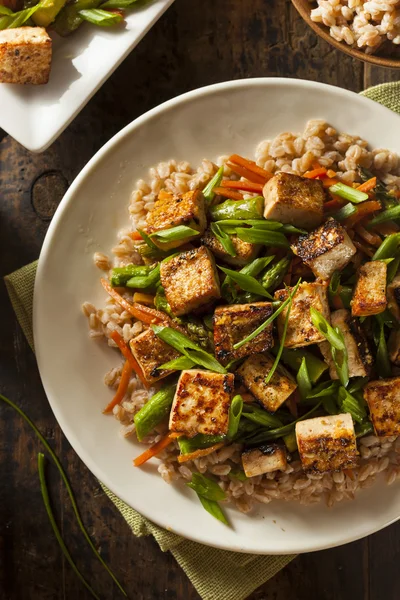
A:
(252, 208)
(5, 11)
(154, 411)
(212, 507)
(254, 235)
(161, 303)
(386, 215)
(186, 346)
(209, 494)
(346, 294)
(101, 18)
(364, 429)
(290, 441)
(148, 281)
(223, 239)
(334, 284)
(329, 405)
(350, 404)
(47, 12)
(316, 367)
(258, 415)
(121, 4)
(230, 225)
(348, 193)
(252, 269)
(173, 234)
(382, 355)
(281, 345)
(327, 388)
(235, 412)
(256, 266)
(246, 282)
(393, 269)
(208, 192)
(68, 19)
(261, 328)
(68, 488)
(303, 380)
(357, 384)
(11, 20)
(338, 348)
(198, 442)
(380, 189)
(46, 501)
(388, 248)
(274, 276)
(120, 275)
(343, 213)
(238, 475)
(178, 364)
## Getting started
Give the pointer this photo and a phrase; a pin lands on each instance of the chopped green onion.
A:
(5, 11)
(393, 269)
(121, 4)
(238, 475)
(186, 346)
(327, 388)
(253, 235)
(212, 507)
(340, 358)
(325, 329)
(270, 319)
(316, 367)
(303, 380)
(208, 192)
(174, 234)
(329, 405)
(258, 415)
(386, 215)
(46, 501)
(256, 266)
(334, 284)
(11, 20)
(348, 193)
(148, 240)
(223, 239)
(364, 429)
(198, 442)
(102, 18)
(209, 494)
(231, 224)
(343, 213)
(388, 248)
(251, 208)
(281, 345)
(154, 411)
(290, 441)
(182, 363)
(235, 412)
(382, 355)
(350, 404)
(357, 384)
(246, 282)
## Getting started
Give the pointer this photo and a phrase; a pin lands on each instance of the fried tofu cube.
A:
(245, 252)
(25, 55)
(325, 250)
(394, 347)
(383, 399)
(393, 297)
(201, 403)
(300, 331)
(190, 280)
(369, 297)
(327, 443)
(233, 323)
(264, 459)
(151, 352)
(272, 394)
(294, 200)
(360, 358)
(172, 210)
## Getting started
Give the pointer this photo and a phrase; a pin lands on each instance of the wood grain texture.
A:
(196, 43)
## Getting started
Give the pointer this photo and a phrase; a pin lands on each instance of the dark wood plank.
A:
(194, 44)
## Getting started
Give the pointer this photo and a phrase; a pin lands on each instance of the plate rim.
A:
(49, 239)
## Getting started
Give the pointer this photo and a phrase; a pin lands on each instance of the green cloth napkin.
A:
(216, 574)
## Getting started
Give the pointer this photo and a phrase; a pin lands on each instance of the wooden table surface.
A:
(196, 43)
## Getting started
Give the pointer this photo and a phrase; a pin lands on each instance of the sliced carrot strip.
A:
(246, 173)
(368, 185)
(129, 356)
(315, 173)
(337, 302)
(228, 193)
(135, 235)
(328, 181)
(199, 453)
(247, 186)
(349, 473)
(368, 236)
(122, 387)
(143, 298)
(250, 165)
(155, 449)
(331, 174)
(142, 313)
(333, 204)
(363, 210)
(316, 165)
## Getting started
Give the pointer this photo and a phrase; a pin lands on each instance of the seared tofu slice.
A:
(383, 399)
(369, 297)
(151, 352)
(25, 55)
(393, 297)
(245, 252)
(327, 443)
(233, 323)
(264, 459)
(360, 358)
(301, 331)
(172, 210)
(325, 250)
(190, 280)
(293, 199)
(201, 403)
(272, 394)
(394, 347)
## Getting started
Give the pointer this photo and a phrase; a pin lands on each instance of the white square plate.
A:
(36, 115)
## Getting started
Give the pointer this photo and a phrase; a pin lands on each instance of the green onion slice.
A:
(223, 239)
(173, 234)
(99, 17)
(386, 215)
(235, 413)
(255, 235)
(281, 345)
(348, 193)
(303, 380)
(208, 192)
(246, 282)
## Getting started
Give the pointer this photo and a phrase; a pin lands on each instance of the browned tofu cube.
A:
(151, 352)
(235, 322)
(327, 443)
(264, 459)
(25, 55)
(383, 399)
(170, 211)
(369, 296)
(201, 403)
(360, 359)
(245, 252)
(295, 200)
(300, 330)
(272, 394)
(325, 250)
(394, 347)
(393, 297)
(190, 280)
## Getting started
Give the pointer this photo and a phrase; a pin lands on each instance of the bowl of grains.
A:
(365, 29)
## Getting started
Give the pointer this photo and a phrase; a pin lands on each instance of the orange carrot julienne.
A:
(363, 210)
(349, 473)
(328, 181)
(315, 173)
(155, 449)
(247, 186)
(142, 313)
(368, 185)
(122, 387)
(246, 173)
(333, 204)
(250, 165)
(118, 339)
(337, 302)
(331, 174)
(316, 165)
(228, 193)
(135, 235)
(199, 453)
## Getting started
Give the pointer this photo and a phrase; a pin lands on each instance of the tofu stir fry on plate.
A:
(257, 316)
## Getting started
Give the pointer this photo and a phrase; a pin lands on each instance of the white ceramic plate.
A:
(221, 119)
(36, 115)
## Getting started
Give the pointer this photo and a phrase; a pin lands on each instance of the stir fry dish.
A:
(257, 316)
(25, 44)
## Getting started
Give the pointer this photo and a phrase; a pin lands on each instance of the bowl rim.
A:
(323, 32)
(50, 239)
